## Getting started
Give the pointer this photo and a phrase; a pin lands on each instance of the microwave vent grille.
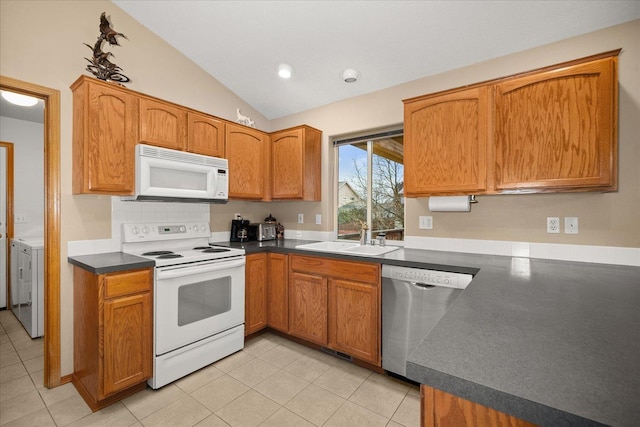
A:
(181, 156)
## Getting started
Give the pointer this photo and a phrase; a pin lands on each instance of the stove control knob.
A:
(145, 230)
(183, 229)
(202, 227)
(135, 230)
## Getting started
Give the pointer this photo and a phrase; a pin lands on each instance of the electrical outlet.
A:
(21, 219)
(553, 224)
(571, 225)
(425, 222)
(300, 218)
(318, 219)
(237, 216)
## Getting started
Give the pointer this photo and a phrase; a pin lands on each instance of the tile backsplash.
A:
(132, 212)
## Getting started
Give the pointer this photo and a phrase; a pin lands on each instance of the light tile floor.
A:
(272, 382)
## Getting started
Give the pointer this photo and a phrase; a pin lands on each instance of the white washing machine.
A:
(27, 284)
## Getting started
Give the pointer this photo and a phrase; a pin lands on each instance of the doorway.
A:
(6, 218)
(51, 98)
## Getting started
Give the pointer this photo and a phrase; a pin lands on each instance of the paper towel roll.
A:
(449, 204)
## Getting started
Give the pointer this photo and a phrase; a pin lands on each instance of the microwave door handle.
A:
(190, 270)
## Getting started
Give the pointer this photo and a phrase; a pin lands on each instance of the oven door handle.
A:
(173, 272)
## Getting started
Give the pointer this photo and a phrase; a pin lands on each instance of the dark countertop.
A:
(552, 342)
(110, 262)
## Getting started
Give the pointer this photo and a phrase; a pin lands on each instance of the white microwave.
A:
(178, 176)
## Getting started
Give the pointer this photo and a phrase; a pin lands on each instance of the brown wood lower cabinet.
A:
(332, 303)
(308, 306)
(113, 334)
(255, 293)
(278, 292)
(336, 303)
(441, 409)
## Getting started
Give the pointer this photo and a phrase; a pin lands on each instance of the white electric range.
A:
(198, 296)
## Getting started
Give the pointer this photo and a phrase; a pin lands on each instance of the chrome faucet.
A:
(363, 233)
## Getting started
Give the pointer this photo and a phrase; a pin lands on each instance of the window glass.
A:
(370, 187)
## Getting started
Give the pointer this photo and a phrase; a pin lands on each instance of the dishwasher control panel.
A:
(427, 277)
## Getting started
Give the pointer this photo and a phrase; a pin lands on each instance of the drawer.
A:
(350, 270)
(129, 282)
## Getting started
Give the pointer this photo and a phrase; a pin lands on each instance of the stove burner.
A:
(170, 255)
(156, 253)
(215, 250)
(198, 248)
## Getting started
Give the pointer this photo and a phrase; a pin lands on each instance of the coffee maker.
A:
(239, 230)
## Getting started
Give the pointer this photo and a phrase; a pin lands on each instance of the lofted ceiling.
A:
(241, 43)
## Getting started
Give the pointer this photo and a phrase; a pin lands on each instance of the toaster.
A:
(262, 231)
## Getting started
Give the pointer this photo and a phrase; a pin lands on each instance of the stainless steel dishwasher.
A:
(413, 301)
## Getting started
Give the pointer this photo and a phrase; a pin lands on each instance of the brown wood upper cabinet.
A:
(163, 124)
(547, 130)
(247, 151)
(296, 163)
(446, 143)
(105, 127)
(205, 135)
(556, 129)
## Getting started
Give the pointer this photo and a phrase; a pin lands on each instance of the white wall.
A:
(28, 167)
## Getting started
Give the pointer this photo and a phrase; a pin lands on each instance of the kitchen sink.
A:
(369, 250)
(327, 246)
(347, 248)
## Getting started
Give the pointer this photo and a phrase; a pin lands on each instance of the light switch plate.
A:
(425, 222)
(318, 219)
(300, 218)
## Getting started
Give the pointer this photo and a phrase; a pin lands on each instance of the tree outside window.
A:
(370, 187)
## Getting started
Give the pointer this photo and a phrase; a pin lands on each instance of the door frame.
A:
(9, 214)
(51, 99)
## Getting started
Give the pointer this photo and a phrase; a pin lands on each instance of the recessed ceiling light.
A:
(18, 99)
(350, 75)
(285, 71)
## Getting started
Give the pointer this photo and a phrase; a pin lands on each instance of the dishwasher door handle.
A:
(423, 285)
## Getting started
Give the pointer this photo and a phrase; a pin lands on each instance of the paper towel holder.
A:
(451, 203)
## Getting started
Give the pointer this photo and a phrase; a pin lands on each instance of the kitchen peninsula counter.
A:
(551, 342)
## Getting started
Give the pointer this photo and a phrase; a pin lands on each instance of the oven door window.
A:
(203, 300)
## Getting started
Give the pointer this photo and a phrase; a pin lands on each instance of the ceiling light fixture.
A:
(350, 75)
(285, 71)
(18, 99)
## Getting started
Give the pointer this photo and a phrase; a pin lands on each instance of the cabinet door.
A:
(205, 135)
(445, 149)
(255, 293)
(104, 133)
(296, 164)
(162, 124)
(127, 353)
(288, 157)
(278, 292)
(556, 129)
(354, 319)
(438, 408)
(246, 151)
(308, 307)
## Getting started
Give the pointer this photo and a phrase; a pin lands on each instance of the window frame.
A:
(369, 137)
